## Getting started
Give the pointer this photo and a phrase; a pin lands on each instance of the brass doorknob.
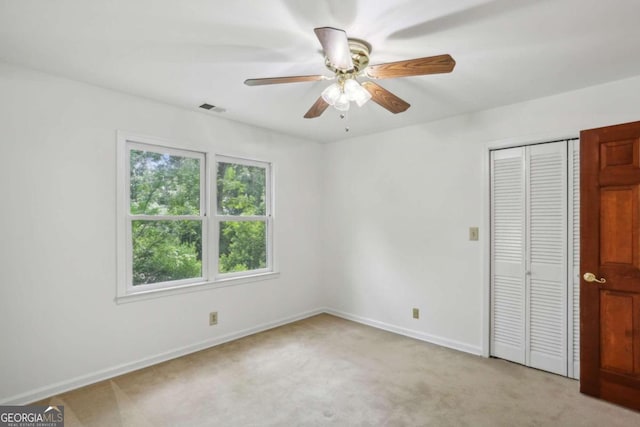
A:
(590, 277)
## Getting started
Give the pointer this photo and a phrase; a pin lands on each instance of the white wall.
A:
(394, 210)
(59, 325)
(398, 206)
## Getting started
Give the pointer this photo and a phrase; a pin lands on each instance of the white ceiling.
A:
(193, 51)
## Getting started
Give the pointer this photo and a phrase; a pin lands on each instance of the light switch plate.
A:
(473, 233)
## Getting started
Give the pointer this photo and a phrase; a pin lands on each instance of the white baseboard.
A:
(434, 339)
(104, 374)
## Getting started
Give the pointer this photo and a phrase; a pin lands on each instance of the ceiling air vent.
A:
(210, 107)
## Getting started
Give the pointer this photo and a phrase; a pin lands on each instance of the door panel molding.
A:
(610, 248)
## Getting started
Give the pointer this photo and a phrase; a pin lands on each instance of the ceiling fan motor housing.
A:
(360, 51)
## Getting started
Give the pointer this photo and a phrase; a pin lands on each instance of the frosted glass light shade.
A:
(342, 103)
(351, 89)
(356, 93)
(331, 94)
(362, 96)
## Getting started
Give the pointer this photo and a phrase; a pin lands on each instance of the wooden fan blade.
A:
(385, 99)
(278, 80)
(316, 109)
(336, 47)
(412, 67)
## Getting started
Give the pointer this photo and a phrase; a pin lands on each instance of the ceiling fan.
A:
(348, 59)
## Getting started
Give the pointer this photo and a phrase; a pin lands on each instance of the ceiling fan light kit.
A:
(339, 95)
(348, 58)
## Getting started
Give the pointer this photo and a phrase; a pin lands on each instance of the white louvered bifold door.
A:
(535, 230)
(508, 257)
(546, 263)
(574, 264)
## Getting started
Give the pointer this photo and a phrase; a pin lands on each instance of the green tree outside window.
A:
(241, 193)
(166, 187)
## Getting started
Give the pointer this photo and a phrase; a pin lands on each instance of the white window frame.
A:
(267, 218)
(125, 291)
(130, 217)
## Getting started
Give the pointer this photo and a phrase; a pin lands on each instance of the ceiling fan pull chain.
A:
(344, 116)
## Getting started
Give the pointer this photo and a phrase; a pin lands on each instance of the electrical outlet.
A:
(416, 313)
(213, 318)
(473, 233)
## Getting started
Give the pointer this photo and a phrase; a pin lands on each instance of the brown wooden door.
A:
(610, 248)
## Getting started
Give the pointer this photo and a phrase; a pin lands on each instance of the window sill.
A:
(195, 287)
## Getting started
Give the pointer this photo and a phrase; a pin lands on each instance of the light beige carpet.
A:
(326, 371)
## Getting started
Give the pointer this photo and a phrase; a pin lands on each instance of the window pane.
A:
(241, 189)
(163, 184)
(243, 246)
(166, 250)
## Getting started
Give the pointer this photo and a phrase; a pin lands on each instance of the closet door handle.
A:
(590, 277)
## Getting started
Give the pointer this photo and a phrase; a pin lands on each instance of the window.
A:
(243, 208)
(167, 237)
(165, 220)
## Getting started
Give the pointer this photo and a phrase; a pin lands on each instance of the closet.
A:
(535, 232)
